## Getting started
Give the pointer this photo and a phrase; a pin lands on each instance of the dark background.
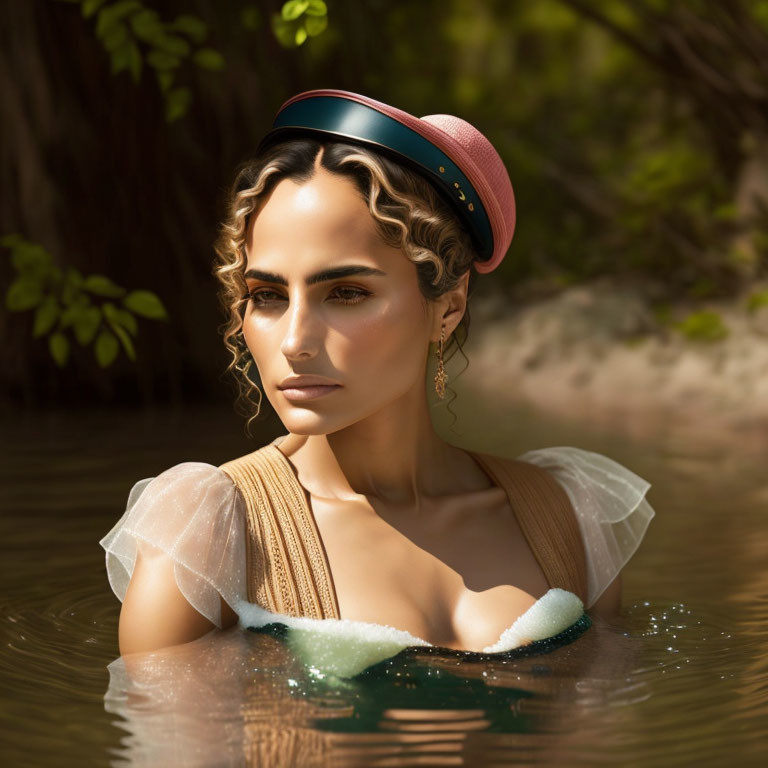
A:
(634, 133)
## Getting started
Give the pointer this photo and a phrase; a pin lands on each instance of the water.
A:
(681, 680)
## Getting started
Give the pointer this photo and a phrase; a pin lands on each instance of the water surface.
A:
(681, 680)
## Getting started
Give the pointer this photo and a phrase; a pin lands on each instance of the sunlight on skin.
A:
(369, 333)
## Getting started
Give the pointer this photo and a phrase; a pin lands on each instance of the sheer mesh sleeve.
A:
(194, 513)
(610, 506)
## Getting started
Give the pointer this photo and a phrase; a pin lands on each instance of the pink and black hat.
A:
(458, 159)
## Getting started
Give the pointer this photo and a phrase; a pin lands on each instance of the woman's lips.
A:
(309, 393)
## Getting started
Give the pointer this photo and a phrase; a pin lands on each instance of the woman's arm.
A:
(155, 614)
(176, 558)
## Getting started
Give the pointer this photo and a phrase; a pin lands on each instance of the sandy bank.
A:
(596, 352)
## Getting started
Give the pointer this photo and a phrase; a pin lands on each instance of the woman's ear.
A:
(452, 305)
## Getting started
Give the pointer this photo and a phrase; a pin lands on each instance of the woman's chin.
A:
(306, 423)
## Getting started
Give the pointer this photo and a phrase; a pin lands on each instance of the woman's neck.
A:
(396, 460)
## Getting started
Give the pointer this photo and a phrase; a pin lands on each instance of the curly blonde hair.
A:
(408, 212)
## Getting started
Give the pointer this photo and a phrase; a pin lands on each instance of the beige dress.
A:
(244, 531)
(287, 568)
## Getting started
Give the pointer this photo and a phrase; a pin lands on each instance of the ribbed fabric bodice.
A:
(287, 566)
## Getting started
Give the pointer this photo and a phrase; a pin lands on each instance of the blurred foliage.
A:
(299, 20)
(61, 301)
(756, 300)
(703, 325)
(134, 34)
(635, 133)
(629, 128)
(639, 170)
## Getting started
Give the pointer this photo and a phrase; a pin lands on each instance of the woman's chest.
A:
(456, 577)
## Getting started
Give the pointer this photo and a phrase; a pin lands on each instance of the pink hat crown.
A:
(483, 165)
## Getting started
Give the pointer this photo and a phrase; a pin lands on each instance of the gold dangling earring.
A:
(440, 377)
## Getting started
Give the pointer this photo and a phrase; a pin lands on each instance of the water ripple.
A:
(679, 680)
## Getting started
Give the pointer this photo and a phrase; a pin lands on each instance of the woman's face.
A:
(369, 332)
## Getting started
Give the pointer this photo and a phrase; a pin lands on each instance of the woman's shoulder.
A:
(189, 500)
(189, 477)
(192, 513)
(573, 466)
(610, 505)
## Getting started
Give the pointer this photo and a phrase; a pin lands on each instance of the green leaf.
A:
(106, 348)
(45, 316)
(58, 346)
(23, 293)
(146, 304)
(315, 25)
(208, 58)
(177, 103)
(73, 283)
(162, 60)
(293, 9)
(284, 31)
(193, 27)
(316, 8)
(301, 35)
(116, 37)
(250, 17)
(31, 258)
(12, 240)
(109, 310)
(126, 320)
(85, 321)
(91, 6)
(125, 339)
(147, 25)
(119, 317)
(102, 286)
(121, 59)
(123, 8)
(176, 46)
(113, 14)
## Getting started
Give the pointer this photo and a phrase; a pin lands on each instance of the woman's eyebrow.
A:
(318, 277)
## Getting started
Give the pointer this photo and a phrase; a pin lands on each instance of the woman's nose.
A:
(302, 330)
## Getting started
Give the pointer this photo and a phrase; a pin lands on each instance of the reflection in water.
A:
(680, 682)
(238, 697)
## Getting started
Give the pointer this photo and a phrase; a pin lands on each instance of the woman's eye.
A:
(261, 297)
(348, 295)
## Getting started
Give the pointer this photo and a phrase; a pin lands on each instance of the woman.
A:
(352, 242)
